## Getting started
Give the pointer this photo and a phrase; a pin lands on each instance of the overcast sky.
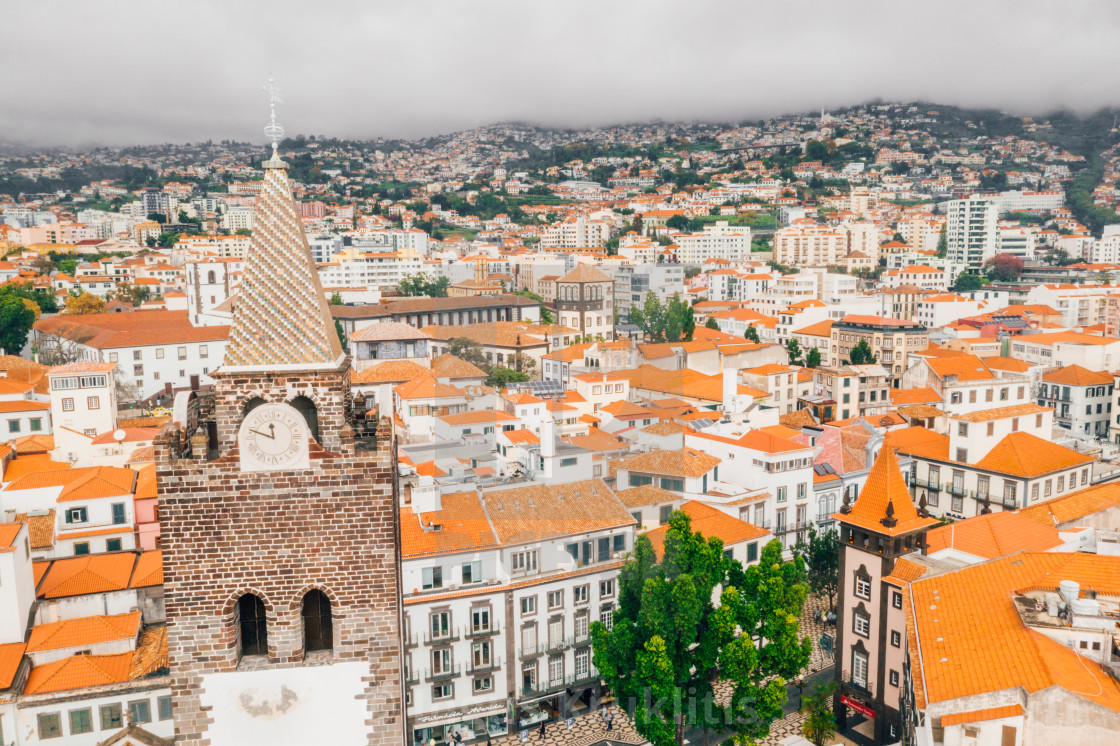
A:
(78, 72)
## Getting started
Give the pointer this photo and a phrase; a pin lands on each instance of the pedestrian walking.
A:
(542, 730)
(610, 720)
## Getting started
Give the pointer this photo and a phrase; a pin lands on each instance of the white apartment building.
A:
(936, 311)
(83, 405)
(498, 603)
(972, 231)
(575, 232)
(1080, 305)
(210, 283)
(717, 241)
(807, 244)
(381, 271)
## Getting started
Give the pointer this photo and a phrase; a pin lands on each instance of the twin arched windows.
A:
(315, 614)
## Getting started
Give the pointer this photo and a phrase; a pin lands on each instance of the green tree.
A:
(336, 298)
(422, 285)
(16, 318)
(821, 555)
(669, 642)
(820, 719)
(128, 293)
(243, 232)
(793, 347)
(546, 314)
(500, 377)
(342, 338)
(861, 354)
(467, 349)
(967, 282)
(678, 223)
(813, 358)
(752, 334)
(711, 324)
(943, 242)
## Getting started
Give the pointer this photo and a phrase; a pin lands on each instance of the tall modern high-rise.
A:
(972, 232)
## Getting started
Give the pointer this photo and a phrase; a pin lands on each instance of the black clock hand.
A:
(271, 435)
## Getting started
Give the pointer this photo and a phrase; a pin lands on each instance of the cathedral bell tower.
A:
(278, 522)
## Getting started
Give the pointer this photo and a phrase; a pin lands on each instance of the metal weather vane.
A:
(273, 131)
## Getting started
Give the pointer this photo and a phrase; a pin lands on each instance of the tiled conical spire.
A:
(884, 504)
(281, 319)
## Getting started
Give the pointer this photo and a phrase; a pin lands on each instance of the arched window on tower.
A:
(318, 631)
(252, 625)
(250, 405)
(306, 407)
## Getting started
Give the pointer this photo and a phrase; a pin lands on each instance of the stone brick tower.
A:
(279, 523)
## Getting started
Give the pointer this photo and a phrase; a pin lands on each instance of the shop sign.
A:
(463, 714)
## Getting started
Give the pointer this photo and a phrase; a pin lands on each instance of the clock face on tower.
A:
(273, 437)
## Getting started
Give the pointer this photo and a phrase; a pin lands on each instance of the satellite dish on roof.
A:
(119, 435)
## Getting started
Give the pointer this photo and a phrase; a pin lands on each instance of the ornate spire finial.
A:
(846, 507)
(890, 521)
(273, 131)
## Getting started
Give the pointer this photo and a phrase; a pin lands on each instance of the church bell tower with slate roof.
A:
(279, 523)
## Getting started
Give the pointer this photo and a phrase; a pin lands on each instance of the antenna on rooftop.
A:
(273, 131)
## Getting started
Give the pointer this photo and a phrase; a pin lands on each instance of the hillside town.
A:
(427, 433)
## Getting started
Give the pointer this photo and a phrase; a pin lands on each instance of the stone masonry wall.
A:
(279, 534)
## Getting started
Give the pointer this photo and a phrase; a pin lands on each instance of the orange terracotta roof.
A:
(1075, 505)
(148, 571)
(477, 417)
(971, 640)
(89, 630)
(964, 367)
(901, 397)
(685, 462)
(427, 387)
(391, 371)
(521, 436)
(11, 655)
(1008, 364)
(999, 413)
(647, 494)
(884, 495)
(449, 366)
(711, 523)
(994, 535)
(93, 573)
(1024, 455)
(905, 571)
(79, 672)
(40, 528)
(80, 484)
(462, 526)
(978, 716)
(533, 512)
(1075, 375)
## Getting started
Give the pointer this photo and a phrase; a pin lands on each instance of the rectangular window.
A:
(896, 638)
(441, 691)
(752, 552)
(138, 370)
(119, 513)
(93, 402)
(472, 572)
(81, 548)
(580, 594)
(894, 678)
(159, 353)
(665, 512)
(781, 494)
(606, 616)
(182, 353)
(863, 588)
(136, 354)
(581, 625)
(606, 588)
(1061, 484)
(1034, 491)
(164, 708)
(524, 562)
(112, 545)
(50, 725)
(861, 624)
(76, 515)
(555, 599)
(896, 600)
(441, 624)
(604, 549)
(432, 578)
(13, 426)
(859, 668)
(204, 352)
(110, 717)
(528, 605)
(483, 685)
(675, 485)
(480, 654)
(112, 357)
(480, 620)
(81, 721)
(567, 462)
(619, 543)
(140, 710)
(36, 425)
(67, 405)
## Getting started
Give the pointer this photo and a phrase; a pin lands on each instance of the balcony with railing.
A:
(554, 646)
(864, 686)
(481, 630)
(441, 636)
(443, 673)
(1002, 500)
(925, 484)
(556, 685)
(483, 666)
(411, 677)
